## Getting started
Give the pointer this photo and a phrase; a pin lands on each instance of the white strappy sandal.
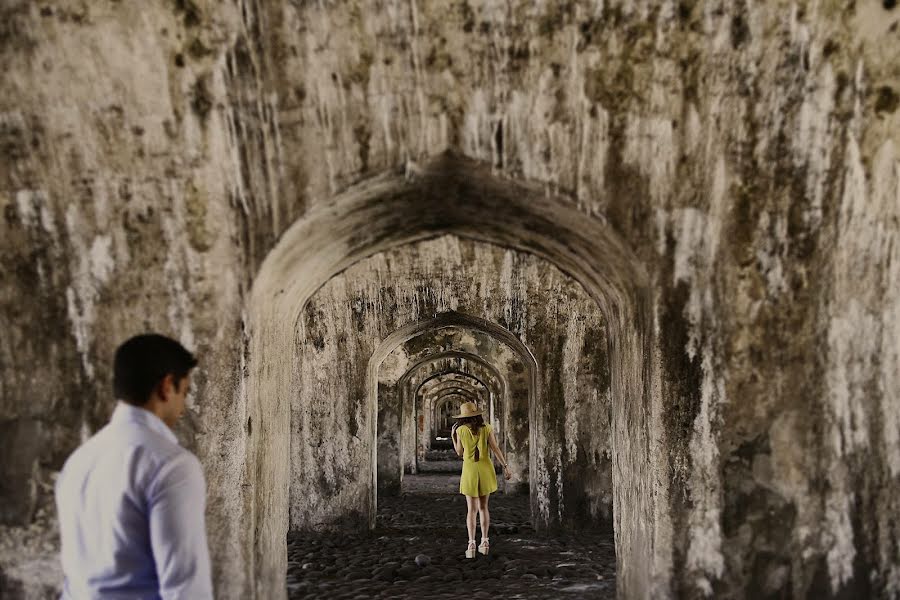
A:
(485, 546)
(470, 551)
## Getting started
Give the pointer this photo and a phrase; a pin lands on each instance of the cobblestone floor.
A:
(428, 520)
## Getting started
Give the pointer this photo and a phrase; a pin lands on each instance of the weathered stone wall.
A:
(152, 153)
(117, 173)
(549, 313)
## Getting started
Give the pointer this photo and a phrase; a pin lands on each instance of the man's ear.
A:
(167, 386)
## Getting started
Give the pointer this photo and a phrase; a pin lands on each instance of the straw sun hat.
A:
(468, 409)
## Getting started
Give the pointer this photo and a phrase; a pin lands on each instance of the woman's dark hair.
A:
(475, 424)
(143, 361)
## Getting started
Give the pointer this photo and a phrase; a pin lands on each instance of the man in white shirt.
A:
(131, 500)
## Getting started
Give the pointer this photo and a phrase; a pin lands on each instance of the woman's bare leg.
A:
(485, 515)
(472, 503)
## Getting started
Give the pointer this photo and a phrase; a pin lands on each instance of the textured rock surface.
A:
(19, 464)
(151, 155)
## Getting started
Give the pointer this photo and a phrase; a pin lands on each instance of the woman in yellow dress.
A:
(471, 439)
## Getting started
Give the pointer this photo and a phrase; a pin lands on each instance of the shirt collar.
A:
(125, 412)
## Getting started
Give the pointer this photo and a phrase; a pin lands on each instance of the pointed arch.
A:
(449, 195)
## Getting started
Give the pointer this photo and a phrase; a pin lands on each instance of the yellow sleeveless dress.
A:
(478, 478)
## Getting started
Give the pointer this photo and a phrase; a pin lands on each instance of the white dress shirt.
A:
(131, 505)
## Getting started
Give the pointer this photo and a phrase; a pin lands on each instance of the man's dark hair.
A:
(143, 361)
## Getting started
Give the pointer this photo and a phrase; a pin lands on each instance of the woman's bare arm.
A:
(457, 445)
(492, 442)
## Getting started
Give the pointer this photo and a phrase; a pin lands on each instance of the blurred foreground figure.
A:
(131, 500)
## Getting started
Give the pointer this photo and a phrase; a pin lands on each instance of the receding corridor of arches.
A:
(436, 373)
(501, 328)
(561, 324)
(436, 350)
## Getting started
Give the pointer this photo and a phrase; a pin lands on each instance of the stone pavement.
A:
(428, 521)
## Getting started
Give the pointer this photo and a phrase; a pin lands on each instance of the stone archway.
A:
(442, 399)
(450, 195)
(444, 407)
(397, 400)
(434, 397)
(472, 364)
(402, 391)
